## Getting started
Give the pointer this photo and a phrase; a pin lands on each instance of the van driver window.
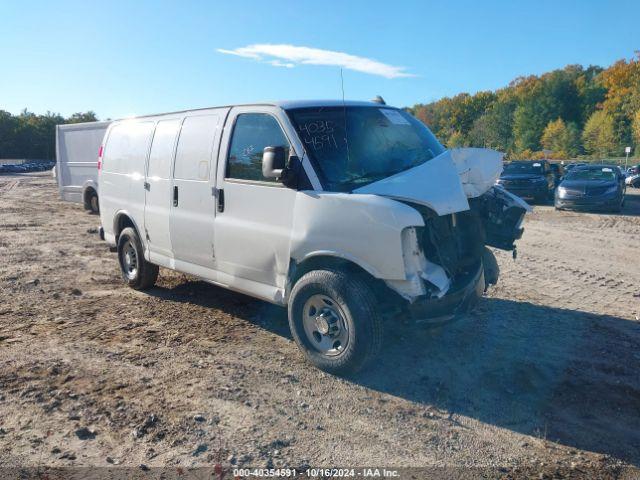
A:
(251, 134)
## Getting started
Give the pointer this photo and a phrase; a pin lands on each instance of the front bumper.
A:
(528, 191)
(601, 202)
(463, 294)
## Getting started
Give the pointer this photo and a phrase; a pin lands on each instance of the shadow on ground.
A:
(564, 375)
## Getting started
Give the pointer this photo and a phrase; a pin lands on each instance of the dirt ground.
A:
(544, 374)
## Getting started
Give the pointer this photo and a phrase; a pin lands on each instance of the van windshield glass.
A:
(354, 146)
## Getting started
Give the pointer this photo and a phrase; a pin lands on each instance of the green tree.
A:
(456, 139)
(598, 136)
(494, 129)
(563, 139)
(81, 117)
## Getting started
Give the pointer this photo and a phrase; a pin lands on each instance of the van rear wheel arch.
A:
(136, 272)
(122, 221)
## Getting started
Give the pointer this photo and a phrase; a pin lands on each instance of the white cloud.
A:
(290, 55)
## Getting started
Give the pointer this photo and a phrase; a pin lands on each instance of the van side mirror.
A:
(273, 162)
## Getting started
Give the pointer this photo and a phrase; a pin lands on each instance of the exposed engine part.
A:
(502, 215)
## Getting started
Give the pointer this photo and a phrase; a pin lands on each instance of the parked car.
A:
(592, 187)
(339, 211)
(77, 148)
(572, 165)
(632, 181)
(532, 179)
(558, 172)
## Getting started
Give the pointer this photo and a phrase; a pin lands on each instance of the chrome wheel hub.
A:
(325, 325)
(129, 260)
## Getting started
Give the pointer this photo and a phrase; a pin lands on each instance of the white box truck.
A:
(76, 169)
(340, 211)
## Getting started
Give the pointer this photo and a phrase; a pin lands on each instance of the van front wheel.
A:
(335, 321)
(136, 271)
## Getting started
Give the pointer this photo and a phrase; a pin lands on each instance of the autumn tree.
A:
(599, 137)
(561, 138)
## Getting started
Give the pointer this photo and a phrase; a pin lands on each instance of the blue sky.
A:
(122, 58)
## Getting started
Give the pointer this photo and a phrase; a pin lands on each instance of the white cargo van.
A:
(340, 211)
(76, 169)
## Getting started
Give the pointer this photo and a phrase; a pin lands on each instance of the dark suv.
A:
(529, 179)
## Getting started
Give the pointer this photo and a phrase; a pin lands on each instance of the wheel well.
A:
(328, 262)
(123, 221)
(88, 193)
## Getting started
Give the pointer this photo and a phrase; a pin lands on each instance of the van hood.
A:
(444, 183)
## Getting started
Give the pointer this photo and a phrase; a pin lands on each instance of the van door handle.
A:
(175, 196)
(220, 200)
(147, 186)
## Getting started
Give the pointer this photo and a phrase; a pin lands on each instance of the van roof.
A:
(285, 104)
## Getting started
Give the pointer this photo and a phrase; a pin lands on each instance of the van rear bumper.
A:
(461, 297)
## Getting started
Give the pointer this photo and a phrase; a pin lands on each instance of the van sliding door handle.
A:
(175, 196)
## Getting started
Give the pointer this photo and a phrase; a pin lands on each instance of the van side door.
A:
(254, 214)
(192, 199)
(157, 187)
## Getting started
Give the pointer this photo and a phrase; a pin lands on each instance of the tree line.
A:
(566, 113)
(32, 136)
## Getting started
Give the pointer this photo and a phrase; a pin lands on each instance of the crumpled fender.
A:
(365, 229)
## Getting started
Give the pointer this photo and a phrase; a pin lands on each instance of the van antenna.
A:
(344, 110)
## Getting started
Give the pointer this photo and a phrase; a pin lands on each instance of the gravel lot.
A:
(544, 374)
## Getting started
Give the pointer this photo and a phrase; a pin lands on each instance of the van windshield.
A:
(354, 146)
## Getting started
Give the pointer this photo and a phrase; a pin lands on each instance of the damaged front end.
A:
(447, 262)
(448, 265)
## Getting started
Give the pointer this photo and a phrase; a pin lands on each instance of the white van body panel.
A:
(252, 236)
(193, 210)
(157, 203)
(77, 147)
(341, 224)
(122, 176)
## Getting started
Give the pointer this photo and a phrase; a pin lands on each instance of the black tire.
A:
(91, 201)
(94, 204)
(359, 314)
(145, 274)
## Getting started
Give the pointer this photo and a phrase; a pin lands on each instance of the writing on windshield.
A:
(353, 146)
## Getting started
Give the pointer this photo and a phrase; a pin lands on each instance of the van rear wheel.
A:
(136, 271)
(335, 321)
(91, 201)
(94, 204)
